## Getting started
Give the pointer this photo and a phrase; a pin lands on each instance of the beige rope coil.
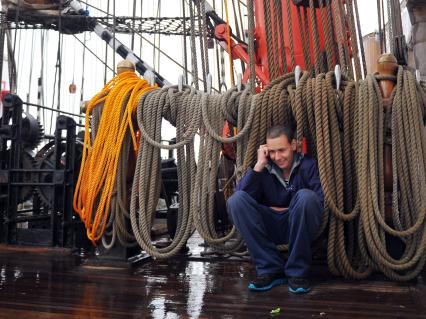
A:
(409, 178)
(215, 109)
(182, 110)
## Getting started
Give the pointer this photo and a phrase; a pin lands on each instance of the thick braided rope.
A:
(215, 109)
(305, 40)
(175, 107)
(316, 42)
(290, 33)
(340, 38)
(345, 23)
(97, 178)
(328, 35)
(272, 65)
(409, 180)
(250, 12)
(354, 40)
(280, 26)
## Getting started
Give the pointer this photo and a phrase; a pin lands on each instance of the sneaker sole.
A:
(299, 290)
(274, 283)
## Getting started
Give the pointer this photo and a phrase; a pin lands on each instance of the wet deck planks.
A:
(39, 284)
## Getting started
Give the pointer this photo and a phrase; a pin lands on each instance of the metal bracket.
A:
(297, 73)
(209, 83)
(338, 75)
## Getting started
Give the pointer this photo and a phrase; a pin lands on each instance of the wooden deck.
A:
(37, 283)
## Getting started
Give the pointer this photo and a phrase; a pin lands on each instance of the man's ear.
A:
(294, 145)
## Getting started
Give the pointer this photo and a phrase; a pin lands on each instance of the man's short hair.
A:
(278, 130)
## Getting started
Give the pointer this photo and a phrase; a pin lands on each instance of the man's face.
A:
(281, 151)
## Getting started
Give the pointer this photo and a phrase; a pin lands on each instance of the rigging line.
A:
(72, 96)
(61, 43)
(57, 70)
(222, 60)
(384, 26)
(185, 57)
(60, 71)
(231, 69)
(155, 40)
(45, 69)
(40, 93)
(2, 39)
(18, 9)
(113, 35)
(82, 72)
(17, 58)
(379, 17)
(133, 33)
(106, 53)
(11, 61)
(241, 2)
(217, 54)
(94, 54)
(31, 66)
(193, 48)
(200, 16)
(140, 43)
(170, 58)
(361, 42)
(73, 63)
(391, 24)
(134, 30)
(159, 37)
(54, 88)
(149, 42)
(53, 109)
(237, 27)
(241, 19)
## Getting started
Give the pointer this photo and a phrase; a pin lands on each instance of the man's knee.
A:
(237, 199)
(306, 197)
(304, 202)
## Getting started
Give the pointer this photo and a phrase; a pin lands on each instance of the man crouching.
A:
(279, 201)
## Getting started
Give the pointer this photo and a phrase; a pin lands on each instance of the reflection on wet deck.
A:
(46, 285)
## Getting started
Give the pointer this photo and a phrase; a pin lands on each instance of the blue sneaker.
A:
(298, 285)
(267, 281)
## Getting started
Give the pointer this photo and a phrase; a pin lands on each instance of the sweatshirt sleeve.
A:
(251, 183)
(313, 180)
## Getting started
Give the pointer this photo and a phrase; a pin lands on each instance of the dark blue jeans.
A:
(263, 229)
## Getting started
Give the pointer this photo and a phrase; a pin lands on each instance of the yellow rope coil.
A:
(98, 171)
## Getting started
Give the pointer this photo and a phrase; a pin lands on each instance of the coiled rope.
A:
(409, 180)
(345, 127)
(215, 109)
(97, 178)
(182, 110)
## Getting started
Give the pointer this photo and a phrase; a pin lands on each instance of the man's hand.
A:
(262, 158)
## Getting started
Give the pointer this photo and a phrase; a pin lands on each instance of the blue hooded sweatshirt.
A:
(270, 189)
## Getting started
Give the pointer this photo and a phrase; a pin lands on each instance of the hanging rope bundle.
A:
(334, 133)
(409, 179)
(239, 109)
(182, 110)
(303, 25)
(97, 179)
